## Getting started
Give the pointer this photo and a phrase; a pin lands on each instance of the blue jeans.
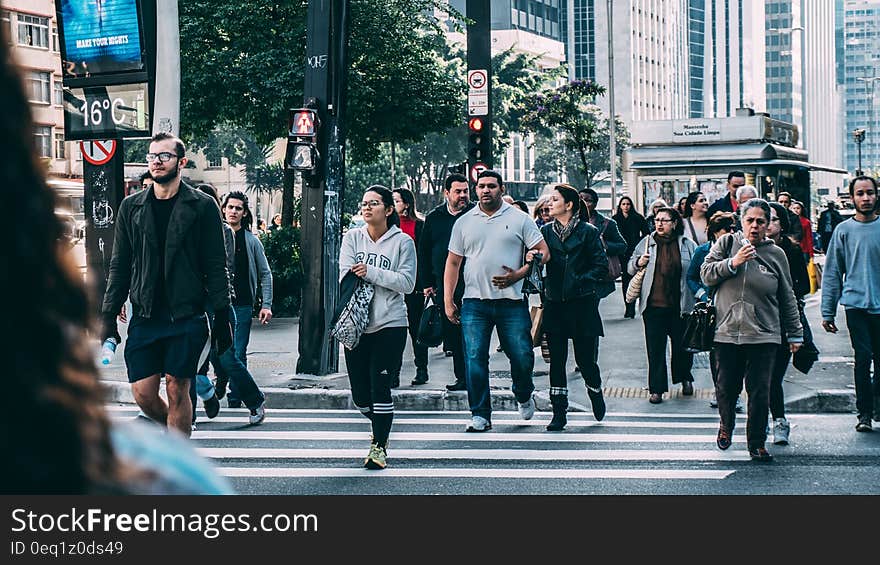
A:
(511, 318)
(241, 335)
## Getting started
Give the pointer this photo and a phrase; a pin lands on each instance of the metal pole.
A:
(324, 89)
(572, 56)
(166, 108)
(612, 126)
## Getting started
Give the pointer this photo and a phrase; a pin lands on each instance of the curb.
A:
(831, 401)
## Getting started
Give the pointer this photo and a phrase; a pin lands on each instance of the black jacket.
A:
(797, 266)
(723, 204)
(195, 256)
(577, 266)
(433, 248)
(633, 228)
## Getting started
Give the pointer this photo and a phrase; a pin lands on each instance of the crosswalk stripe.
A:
(475, 473)
(361, 421)
(318, 435)
(481, 454)
(496, 416)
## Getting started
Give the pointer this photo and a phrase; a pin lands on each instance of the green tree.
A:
(516, 78)
(553, 158)
(568, 116)
(243, 65)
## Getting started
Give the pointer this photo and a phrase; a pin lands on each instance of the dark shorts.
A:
(164, 347)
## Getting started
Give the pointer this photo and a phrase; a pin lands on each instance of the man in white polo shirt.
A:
(493, 237)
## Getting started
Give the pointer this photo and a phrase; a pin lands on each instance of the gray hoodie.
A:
(391, 268)
(755, 301)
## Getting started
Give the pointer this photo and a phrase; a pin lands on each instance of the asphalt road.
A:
(638, 449)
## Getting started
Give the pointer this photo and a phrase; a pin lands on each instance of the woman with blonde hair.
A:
(542, 211)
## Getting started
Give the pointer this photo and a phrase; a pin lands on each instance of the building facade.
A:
(802, 86)
(725, 57)
(32, 30)
(861, 78)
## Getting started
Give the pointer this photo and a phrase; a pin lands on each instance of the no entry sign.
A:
(478, 168)
(98, 152)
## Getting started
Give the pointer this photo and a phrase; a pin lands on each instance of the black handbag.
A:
(699, 328)
(431, 325)
(534, 281)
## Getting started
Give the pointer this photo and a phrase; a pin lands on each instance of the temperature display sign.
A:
(106, 112)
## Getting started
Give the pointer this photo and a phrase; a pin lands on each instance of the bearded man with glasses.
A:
(169, 276)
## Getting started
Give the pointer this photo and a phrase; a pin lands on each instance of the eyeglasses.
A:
(662, 221)
(545, 210)
(233, 207)
(370, 203)
(163, 157)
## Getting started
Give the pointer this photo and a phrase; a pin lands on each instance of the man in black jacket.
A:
(432, 252)
(729, 203)
(169, 259)
(828, 221)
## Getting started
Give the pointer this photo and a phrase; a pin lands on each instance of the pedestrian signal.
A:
(302, 123)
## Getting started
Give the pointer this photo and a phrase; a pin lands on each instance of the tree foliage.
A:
(570, 119)
(243, 64)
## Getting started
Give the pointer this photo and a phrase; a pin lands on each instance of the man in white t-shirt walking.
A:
(493, 237)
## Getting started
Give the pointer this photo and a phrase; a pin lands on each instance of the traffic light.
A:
(478, 140)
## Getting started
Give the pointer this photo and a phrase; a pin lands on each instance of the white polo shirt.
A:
(488, 243)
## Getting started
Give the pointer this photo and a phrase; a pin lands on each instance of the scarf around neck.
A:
(562, 232)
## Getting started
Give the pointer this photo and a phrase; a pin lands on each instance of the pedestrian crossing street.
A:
(316, 444)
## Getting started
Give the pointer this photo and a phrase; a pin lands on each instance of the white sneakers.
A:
(479, 424)
(258, 414)
(781, 430)
(527, 408)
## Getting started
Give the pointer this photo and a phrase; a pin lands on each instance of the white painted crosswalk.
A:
(331, 444)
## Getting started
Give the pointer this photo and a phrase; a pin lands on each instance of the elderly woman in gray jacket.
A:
(754, 302)
(666, 255)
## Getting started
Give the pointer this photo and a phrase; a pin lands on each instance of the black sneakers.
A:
(864, 424)
(760, 455)
(421, 376)
(212, 406)
(723, 440)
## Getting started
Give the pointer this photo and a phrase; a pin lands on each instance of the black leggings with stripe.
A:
(370, 387)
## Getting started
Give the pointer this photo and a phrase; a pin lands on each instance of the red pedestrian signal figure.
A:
(303, 123)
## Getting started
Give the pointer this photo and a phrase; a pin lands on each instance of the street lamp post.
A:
(869, 84)
(859, 137)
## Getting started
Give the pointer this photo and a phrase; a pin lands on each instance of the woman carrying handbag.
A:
(577, 265)
(664, 295)
(382, 255)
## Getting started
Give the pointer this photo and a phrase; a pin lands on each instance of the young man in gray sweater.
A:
(852, 278)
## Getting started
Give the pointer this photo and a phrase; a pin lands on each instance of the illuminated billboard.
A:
(100, 37)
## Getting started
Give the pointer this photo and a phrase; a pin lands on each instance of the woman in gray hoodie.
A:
(382, 255)
(754, 302)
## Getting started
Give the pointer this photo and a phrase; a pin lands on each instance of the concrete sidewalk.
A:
(273, 352)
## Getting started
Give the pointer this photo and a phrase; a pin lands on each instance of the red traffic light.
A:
(475, 124)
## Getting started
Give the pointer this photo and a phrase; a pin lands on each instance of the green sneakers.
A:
(376, 459)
